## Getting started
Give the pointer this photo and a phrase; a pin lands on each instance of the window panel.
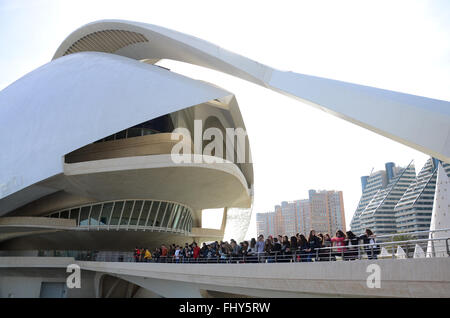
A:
(144, 213)
(116, 213)
(127, 212)
(95, 214)
(136, 211)
(84, 216)
(64, 215)
(74, 213)
(106, 213)
(165, 209)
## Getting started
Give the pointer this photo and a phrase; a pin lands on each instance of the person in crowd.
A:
(352, 248)
(184, 253)
(339, 240)
(294, 244)
(320, 236)
(147, 255)
(371, 249)
(314, 243)
(327, 240)
(260, 246)
(136, 254)
(176, 254)
(328, 253)
(276, 250)
(170, 251)
(156, 254)
(204, 251)
(268, 247)
(285, 249)
(294, 248)
(280, 239)
(304, 249)
(223, 253)
(190, 252)
(235, 251)
(141, 254)
(244, 249)
(211, 253)
(251, 251)
(195, 251)
(164, 252)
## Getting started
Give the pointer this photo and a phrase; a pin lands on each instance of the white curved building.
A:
(87, 139)
(89, 144)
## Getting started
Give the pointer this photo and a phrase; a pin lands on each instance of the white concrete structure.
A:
(85, 144)
(440, 217)
(399, 278)
(421, 123)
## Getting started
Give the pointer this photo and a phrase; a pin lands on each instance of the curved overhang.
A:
(48, 233)
(74, 101)
(419, 122)
(198, 185)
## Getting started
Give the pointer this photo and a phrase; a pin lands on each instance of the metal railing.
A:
(334, 253)
(413, 248)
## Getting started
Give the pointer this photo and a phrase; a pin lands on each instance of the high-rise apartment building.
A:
(323, 212)
(370, 186)
(379, 214)
(413, 211)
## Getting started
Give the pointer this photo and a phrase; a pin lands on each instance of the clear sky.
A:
(396, 45)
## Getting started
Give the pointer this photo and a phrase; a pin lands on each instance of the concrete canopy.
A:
(419, 122)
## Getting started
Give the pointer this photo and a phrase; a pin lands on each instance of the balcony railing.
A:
(408, 249)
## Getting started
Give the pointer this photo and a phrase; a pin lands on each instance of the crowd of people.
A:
(298, 248)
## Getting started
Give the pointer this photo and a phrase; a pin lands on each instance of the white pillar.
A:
(440, 218)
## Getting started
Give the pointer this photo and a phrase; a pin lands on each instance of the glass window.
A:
(182, 214)
(166, 208)
(105, 214)
(136, 211)
(134, 132)
(54, 215)
(116, 213)
(159, 216)
(127, 212)
(109, 138)
(74, 213)
(144, 214)
(95, 214)
(175, 217)
(147, 131)
(84, 215)
(121, 135)
(64, 215)
(152, 215)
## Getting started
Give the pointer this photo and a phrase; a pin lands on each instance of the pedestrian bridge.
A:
(424, 277)
(408, 271)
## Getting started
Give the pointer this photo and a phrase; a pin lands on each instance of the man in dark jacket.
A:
(314, 243)
(371, 250)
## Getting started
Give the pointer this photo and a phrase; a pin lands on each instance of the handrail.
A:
(353, 252)
(411, 233)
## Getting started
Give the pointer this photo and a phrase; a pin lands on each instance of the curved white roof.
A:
(419, 122)
(74, 101)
